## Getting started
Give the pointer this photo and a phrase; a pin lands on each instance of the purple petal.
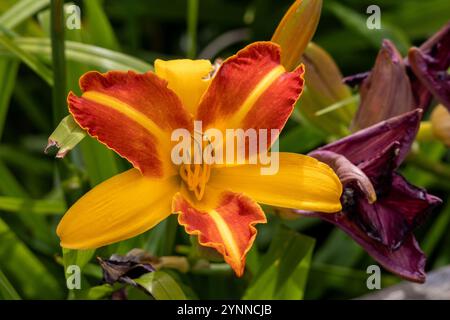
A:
(407, 261)
(438, 46)
(356, 79)
(426, 67)
(421, 94)
(413, 202)
(429, 64)
(431, 74)
(395, 215)
(368, 143)
(386, 92)
(379, 169)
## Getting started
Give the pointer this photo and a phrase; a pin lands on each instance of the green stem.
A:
(337, 105)
(192, 20)
(58, 60)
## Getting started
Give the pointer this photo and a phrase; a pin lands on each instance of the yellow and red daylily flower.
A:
(135, 114)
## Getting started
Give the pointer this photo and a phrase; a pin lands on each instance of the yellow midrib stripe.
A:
(226, 235)
(127, 110)
(254, 95)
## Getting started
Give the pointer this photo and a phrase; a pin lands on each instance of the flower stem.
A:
(58, 60)
(192, 19)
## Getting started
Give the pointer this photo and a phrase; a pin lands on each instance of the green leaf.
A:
(169, 236)
(284, 269)
(21, 11)
(66, 136)
(7, 291)
(99, 161)
(12, 204)
(409, 16)
(98, 28)
(253, 260)
(25, 161)
(345, 283)
(98, 292)
(94, 56)
(437, 231)
(339, 249)
(36, 225)
(24, 269)
(81, 259)
(357, 22)
(8, 74)
(302, 138)
(161, 286)
(30, 107)
(9, 185)
(77, 257)
(433, 152)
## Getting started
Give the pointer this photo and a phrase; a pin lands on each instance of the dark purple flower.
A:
(380, 214)
(429, 63)
(386, 92)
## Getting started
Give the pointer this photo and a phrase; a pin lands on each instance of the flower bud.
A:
(324, 88)
(296, 30)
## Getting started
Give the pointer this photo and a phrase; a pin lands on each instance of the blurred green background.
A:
(319, 261)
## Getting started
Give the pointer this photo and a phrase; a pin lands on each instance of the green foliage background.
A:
(303, 258)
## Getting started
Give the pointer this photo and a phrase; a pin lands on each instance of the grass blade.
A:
(24, 269)
(357, 22)
(283, 271)
(21, 11)
(100, 31)
(14, 204)
(8, 74)
(7, 291)
(161, 286)
(28, 58)
(90, 55)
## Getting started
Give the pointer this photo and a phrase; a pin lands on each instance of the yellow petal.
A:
(301, 183)
(187, 78)
(122, 207)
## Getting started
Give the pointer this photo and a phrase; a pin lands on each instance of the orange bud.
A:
(296, 30)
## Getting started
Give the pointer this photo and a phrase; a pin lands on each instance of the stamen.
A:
(196, 175)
